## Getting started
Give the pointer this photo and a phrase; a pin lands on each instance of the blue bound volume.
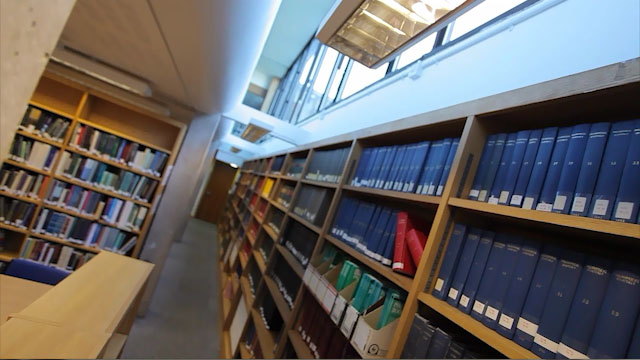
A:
(634, 347)
(617, 315)
(589, 169)
(518, 288)
(428, 167)
(540, 166)
(628, 200)
(386, 165)
(450, 261)
(395, 167)
(489, 277)
(558, 304)
(513, 168)
(571, 169)
(524, 171)
(487, 151)
(501, 285)
(418, 160)
(492, 167)
(374, 239)
(464, 264)
(475, 273)
(447, 166)
(613, 161)
(362, 166)
(434, 178)
(548, 193)
(503, 169)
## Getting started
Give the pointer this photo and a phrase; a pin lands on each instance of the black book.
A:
(439, 345)
(418, 340)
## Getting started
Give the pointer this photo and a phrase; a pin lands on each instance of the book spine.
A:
(628, 199)
(477, 270)
(489, 277)
(492, 167)
(547, 195)
(540, 166)
(464, 265)
(571, 169)
(450, 261)
(487, 151)
(503, 277)
(503, 168)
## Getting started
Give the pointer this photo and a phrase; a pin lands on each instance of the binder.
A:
(496, 296)
(476, 271)
(547, 195)
(487, 151)
(628, 199)
(540, 165)
(464, 265)
(503, 168)
(447, 166)
(450, 261)
(489, 277)
(571, 169)
(492, 167)
(521, 145)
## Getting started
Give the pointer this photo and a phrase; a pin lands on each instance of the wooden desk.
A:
(17, 293)
(100, 300)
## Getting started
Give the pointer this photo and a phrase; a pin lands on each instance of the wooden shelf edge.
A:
(291, 260)
(39, 138)
(265, 338)
(13, 228)
(244, 353)
(272, 234)
(111, 163)
(51, 109)
(20, 197)
(64, 242)
(246, 289)
(278, 298)
(100, 190)
(391, 194)
(7, 255)
(304, 222)
(300, 347)
(124, 136)
(505, 346)
(577, 222)
(260, 261)
(319, 183)
(27, 167)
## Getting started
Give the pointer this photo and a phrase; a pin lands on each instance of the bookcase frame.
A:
(80, 104)
(595, 91)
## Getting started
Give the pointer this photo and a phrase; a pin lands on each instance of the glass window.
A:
(360, 77)
(335, 82)
(483, 12)
(295, 96)
(416, 51)
(312, 101)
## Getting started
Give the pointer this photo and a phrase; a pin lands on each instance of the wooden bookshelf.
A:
(597, 95)
(81, 105)
(281, 304)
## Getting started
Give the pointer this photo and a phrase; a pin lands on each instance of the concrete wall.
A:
(29, 31)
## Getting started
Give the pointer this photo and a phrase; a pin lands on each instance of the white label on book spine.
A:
(570, 353)
(453, 293)
(474, 193)
(504, 196)
(338, 308)
(492, 313)
(483, 195)
(528, 203)
(439, 284)
(350, 318)
(328, 299)
(624, 210)
(464, 300)
(432, 189)
(578, 204)
(600, 207)
(439, 191)
(546, 343)
(506, 321)
(559, 202)
(361, 335)
(493, 200)
(478, 307)
(527, 327)
(544, 207)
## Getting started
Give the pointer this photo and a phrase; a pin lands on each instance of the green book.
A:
(347, 268)
(391, 309)
(373, 294)
(361, 292)
(329, 253)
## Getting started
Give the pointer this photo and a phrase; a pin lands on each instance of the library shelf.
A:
(19, 197)
(272, 234)
(319, 183)
(123, 135)
(113, 225)
(251, 237)
(248, 295)
(265, 337)
(65, 242)
(243, 259)
(289, 178)
(300, 347)
(396, 195)
(278, 206)
(38, 138)
(278, 298)
(505, 346)
(291, 260)
(259, 260)
(400, 280)
(27, 167)
(8, 255)
(51, 109)
(225, 347)
(112, 163)
(571, 221)
(13, 228)
(92, 187)
(304, 222)
(244, 352)
(70, 212)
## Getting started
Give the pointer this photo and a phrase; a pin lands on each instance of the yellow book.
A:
(266, 189)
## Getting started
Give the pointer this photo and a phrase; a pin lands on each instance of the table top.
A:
(16, 294)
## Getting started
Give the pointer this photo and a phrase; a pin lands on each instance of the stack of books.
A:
(23, 183)
(312, 203)
(300, 241)
(44, 123)
(60, 256)
(15, 212)
(33, 153)
(327, 165)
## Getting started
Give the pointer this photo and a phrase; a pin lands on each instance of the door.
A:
(216, 193)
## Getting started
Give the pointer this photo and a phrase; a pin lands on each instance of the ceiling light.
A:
(374, 31)
(235, 150)
(235, 166)
(255, 130)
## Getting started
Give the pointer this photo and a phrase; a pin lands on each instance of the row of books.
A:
(74, 198)
(124, 214)
(427, 341)
(554, 301)
(296, 167)
(23, 183)
(286, 279)
(60, 256)
(265, 247)
(254, 276)
(117, 149)
(275, 219)
(327, 165)
(33, 153)
(286, 194)
(276, 164)
(15, 212)
(312, 203)
(421, 167)
(251, 341)
(270, 314)
(300, 241)
(101, 175)
(83, 231)
(44, 123)
(586, 170)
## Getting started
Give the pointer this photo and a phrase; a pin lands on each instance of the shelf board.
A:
(51, 109)
(301, 348)
(319, 183)
(260, 261)
(243, 259)
(100, 190)
(278, 298)
(578, 222)
(13, 228)
(265, 337)
(251, 237)
(8, 255)
(244, 352)
(391, 194)
(402, 281)
(295, 265)
(278, 206)
(20, 197)
(305, 222)
(111, 163)
(506, 346)
(27, 167)
(39, 138)
(225, 347)
(69, 212)
(272, 234)
(65, 242)
(289, 178)
(246, 289)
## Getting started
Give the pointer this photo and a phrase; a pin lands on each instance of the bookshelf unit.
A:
(605, 94)
(117, 122)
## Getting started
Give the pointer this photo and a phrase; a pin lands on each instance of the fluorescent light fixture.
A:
(255, 130)
(373, 31)
(235, 150)
(235, 166)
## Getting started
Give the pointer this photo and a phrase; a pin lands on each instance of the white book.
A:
(116, 211)
(142, 213)
(127, 246)
(138, 159)
(64, 163)
(43, 217)
(47, 258)
(124, 214)
(74, 139)
(43, 252)
(92, 230)
(94, 141)
(63, 259)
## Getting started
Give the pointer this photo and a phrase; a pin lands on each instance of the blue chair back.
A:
(35, 271)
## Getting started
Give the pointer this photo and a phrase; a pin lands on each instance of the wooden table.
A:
(87, 315)
(17, 293)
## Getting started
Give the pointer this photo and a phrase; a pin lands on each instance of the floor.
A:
(182, 320)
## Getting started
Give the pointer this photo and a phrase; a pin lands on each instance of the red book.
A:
(402, 261)
(415, 241)
(43, 187)
(80, 135)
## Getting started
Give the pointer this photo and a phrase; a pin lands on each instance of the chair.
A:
(35, 271)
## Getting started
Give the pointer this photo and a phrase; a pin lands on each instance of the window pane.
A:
(416, 51)
(337, 79)
(480, 14)
(360, 77)
(298, 85)
(314, 97)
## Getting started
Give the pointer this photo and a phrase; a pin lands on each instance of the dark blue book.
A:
(518, 288)
(526, 167)
(464, 265)
(598, 135)
(395, 159)
(634, 347)
(362, 166)
(558, 303)
(548, 192)
(610, 174)
(513, 168)
(585, 308)
(489, 277)
(389, 243)
(450, 261)
(540, 166)
(628, 199)
(378, 166)
(403, 170)
(370, 228)
(397, 162)
(429, 166)
(434, 179)
(363, 219)
(503, 169)
(418, 160)
(352, 227)
(571, 169)
(487, 151)
(527, 326)
(618, 314)
(386, 166)
(503, 278)
(475, 273)
(492, 167)
(374, 238)
(439, 345)
(375, 155)
(447, 166)
(410, 167)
